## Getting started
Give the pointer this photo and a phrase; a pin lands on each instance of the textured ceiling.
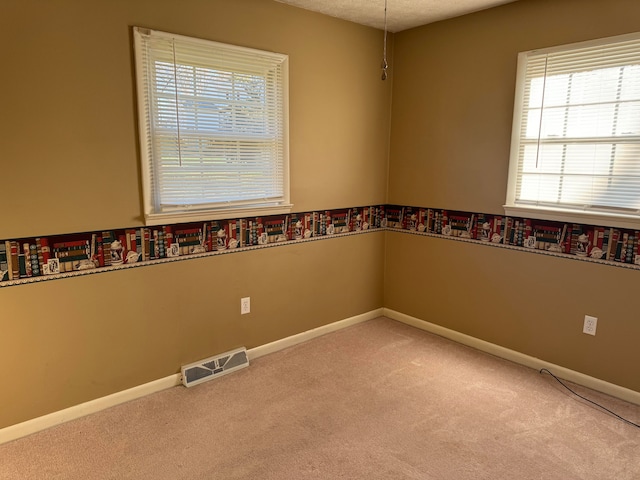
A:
(401, 14)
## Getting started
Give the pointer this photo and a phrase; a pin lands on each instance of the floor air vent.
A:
(214, 367)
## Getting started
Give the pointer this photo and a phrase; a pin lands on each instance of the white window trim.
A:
(591, 217)
(574, 216)
(195, 213)
(220, 214)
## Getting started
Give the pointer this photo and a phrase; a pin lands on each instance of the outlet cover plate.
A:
(590, 324)
(245, 305)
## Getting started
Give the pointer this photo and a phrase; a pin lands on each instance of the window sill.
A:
(206, 215)
(572, 216)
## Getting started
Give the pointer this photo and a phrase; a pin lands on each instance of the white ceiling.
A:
(401, 14)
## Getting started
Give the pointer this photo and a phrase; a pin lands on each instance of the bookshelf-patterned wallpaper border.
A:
(29, 260)
(35, 259)
(592, 243)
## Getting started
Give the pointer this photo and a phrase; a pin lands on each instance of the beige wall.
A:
(451, 127)
(69, 141)
(533, 304)
(69, 163)
(69, 341)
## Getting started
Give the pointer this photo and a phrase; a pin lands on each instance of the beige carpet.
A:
(380, 400)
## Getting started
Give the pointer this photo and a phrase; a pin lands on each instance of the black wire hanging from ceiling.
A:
(385, 65)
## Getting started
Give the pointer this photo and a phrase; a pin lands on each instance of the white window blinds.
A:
(576, 139)
(213, 125)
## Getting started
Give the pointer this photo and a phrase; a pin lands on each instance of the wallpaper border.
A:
(238, 236)
(579, 242)
(582, 242)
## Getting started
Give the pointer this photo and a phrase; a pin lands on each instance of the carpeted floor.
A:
(379, 400)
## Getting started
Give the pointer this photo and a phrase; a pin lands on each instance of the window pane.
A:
(591, 121)
(554, 122)
(556, 90)
(553, 92)
(630, 88)
(535, 90)
(616, 192)
(549, 159)
(588, 159)
(628, 121)
(576, 190)
(532, 129)
(627, 160)
(542, 188)
(595, 86)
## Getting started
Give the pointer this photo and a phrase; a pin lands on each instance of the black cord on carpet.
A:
(543, 370)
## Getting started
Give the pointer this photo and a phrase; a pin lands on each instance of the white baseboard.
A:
(310, 334)
(570, 375)
(23, 429)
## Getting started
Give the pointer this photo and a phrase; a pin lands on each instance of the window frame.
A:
(545, 212)
(153, 214)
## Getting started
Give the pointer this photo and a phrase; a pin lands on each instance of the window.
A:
(213, 128)
(575, 153)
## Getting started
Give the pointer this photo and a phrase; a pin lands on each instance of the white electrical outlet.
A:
(245, 305)
(590, 324)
